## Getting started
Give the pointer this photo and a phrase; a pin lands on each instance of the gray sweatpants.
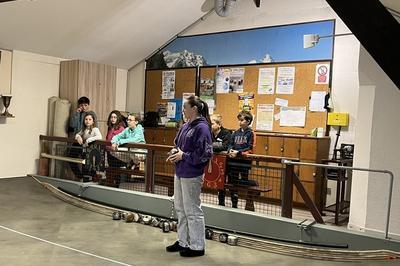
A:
(187, 205)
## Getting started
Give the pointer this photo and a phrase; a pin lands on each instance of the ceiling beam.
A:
(376, 29)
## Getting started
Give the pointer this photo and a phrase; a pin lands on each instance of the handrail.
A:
(55, 138)
(107, 143)
(152, 150)
(390, 173)
(258, 157)
(269, 158)
(287, 135)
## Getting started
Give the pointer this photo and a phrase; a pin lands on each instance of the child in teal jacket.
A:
(132, 134)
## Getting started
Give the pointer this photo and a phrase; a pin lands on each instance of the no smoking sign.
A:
(322, 74)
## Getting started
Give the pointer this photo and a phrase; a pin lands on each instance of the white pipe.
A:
(62, 158)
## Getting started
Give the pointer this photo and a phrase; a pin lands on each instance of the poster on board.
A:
(168, 85)
(293, 116)
(265, 117)
(285, 80)
(266, 80)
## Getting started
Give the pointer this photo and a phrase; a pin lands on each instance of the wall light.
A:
(310, 40)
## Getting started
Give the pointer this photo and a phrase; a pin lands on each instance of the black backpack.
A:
(151, 119)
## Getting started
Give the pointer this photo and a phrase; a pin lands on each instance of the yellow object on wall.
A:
(338, 119)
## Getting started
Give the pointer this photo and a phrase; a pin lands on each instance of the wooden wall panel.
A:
(110, 89)
(87, 78)
(69, 82)
(96, 81)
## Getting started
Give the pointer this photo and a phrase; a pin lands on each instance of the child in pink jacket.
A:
(115, 124)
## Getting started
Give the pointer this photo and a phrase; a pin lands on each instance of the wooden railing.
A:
(289, 178)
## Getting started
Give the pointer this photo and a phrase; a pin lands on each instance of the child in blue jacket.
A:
(242, 142)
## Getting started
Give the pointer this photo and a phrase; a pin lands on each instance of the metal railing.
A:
(391, 180)
(143, 167)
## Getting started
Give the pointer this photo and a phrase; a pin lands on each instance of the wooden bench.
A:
(112, 172)
(249, 193)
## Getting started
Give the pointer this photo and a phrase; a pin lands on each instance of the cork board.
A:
(227, 105)
(185, 81)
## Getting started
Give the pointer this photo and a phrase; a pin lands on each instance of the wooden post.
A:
(44, 166)
(308, 201)
(149, 174)
(287, 192)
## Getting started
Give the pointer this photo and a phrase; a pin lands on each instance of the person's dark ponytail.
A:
(205, 112)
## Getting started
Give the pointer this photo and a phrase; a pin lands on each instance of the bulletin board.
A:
(185, 81)
(227, 104)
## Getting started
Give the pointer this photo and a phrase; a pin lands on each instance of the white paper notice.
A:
(285, 80)
(168, 85)
(281, 102)
(293, 116)
(266, 80)
(322, 74)
(236, 80)
(171, 109)
(211, 105)
(265, 116)
(164, 120)
(317, 101)
(223, 80)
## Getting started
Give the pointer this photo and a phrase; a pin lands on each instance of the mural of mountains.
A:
(183, 59)
(267, 59)
(250, 46)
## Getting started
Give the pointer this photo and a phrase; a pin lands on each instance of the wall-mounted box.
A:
(338, 119)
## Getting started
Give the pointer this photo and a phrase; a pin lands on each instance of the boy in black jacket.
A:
(220, 135)
(242, 142)
(221, 138)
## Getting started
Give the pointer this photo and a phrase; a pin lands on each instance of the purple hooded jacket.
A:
(194, 139)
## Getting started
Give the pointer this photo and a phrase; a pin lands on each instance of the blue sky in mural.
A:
(283, 43)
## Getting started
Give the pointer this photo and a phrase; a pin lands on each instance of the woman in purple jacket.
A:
(191, 155)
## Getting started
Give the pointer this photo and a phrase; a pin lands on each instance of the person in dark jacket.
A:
(76, 120)
(242, 142)
(192, 152)
(221, 138)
